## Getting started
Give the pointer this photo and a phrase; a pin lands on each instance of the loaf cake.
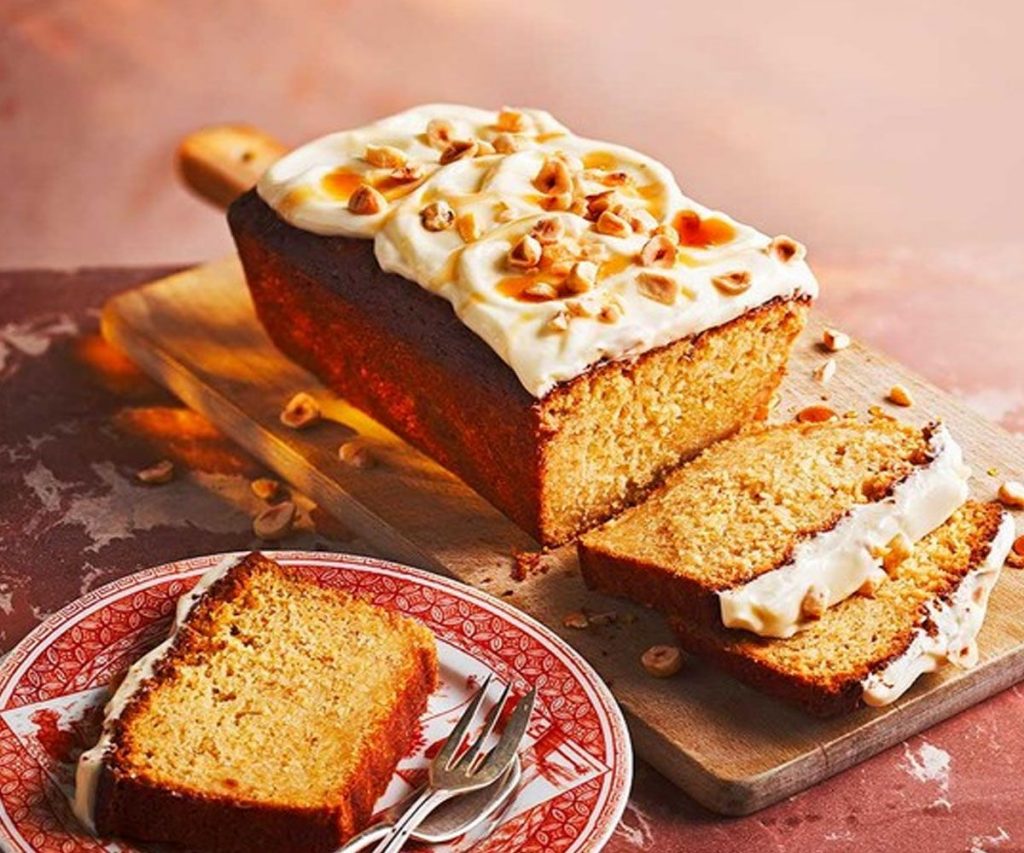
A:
(767, 529)
(871, 649)
(548, 316)
(271, 719)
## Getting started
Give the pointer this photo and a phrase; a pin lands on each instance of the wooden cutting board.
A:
(728, 747)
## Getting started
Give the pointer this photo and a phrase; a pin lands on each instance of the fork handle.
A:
(412, 817)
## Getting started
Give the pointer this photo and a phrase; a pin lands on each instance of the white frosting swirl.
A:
(957, 623)
(838, 561)
(311, 187)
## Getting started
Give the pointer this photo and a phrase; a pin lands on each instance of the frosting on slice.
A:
(956, 624)
(449, 193)
(834, 564)
(90, 762)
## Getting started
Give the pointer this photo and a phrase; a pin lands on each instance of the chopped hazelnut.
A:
(553, 177)
(503, 213)
(834, 340)
(275, 522)
(662, 661)
(548, 230)
(366, 201)
(541, 290)
(1011, 494)
(356, 454)
(265, 488)
(467, 227)
(1016, 557)
(506, 143)
(732, 283)
(659, 251)
(824, 372)
(616, 179)
(786, 249)
(484, 148)
(660, 288)
(900, 396)
(594, 250)
(559, 321)
(526, 254)
(872, 583)
(641, 221)
(511, 121)
(582, 277)
(439, 132)
(613, 225)
(408, 174)
(384, 156)
(437, 216)
(576, 619)
(815, 415)
(301, 411)
(669, 233)
(815, 602)
(600, 202)
(157, 474)
(459, 149)
(897, 551)
(610, 313)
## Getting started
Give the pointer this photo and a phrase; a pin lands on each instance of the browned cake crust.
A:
(961, 545)
(130, 805)
(400, 354)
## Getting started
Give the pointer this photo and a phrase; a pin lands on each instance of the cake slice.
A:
(272, 718)
(766, 530)
(871, 649)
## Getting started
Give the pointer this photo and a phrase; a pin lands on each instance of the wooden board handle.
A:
(222, 162)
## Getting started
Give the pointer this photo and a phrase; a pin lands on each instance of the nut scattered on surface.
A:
(366, 201)
(541, 290)
(660, 288)
(157, 474)
(265, 488)
(553, 177)
(467, 227)
(662, 661)
(898, 550)
(437, 216)
(576, 619)
(384, 156)
(610, 313)
(815, 602)
(559, 322)
(834, 340)
(659, 251)
(786, 249)
(900, 396)
(613, 225)
(506, 143)
(503, 213)
(484, 148)
(511, 121)
(525, 254)
(275, 522)
(459, 149)
(301, 411)
(356, 454)
(823, 373)
(599, 203)
(669, 233)
(548, 230)
(641, 221)
(1016, 557)
(872, 584)
(408, 174)
(732, 283)
(815, 415)
(1011, 494)
(439, 132)
(581, 277)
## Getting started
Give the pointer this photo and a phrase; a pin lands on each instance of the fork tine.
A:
(444, 757)
(508, 745)
(466, 759)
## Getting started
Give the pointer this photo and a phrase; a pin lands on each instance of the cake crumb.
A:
(300, 411)
(156, 474)
(900, 396)
(265, 488)
(1016, 555)
(823, 373)
(662, 661)
(276, 522)
(833, 340)
(1011, 494)
(993, 472)
(526, 564)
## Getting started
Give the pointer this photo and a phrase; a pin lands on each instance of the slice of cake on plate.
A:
(872, 648)
(548, 316)
(271, 719)
(767, 530)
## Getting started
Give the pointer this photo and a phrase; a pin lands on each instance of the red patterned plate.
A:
(576, 766)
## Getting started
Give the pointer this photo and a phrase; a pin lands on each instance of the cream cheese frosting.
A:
(90, 762)
(956, 624)
(492, 179)
(834, 564)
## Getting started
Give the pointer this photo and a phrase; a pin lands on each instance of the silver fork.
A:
(452, 773)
